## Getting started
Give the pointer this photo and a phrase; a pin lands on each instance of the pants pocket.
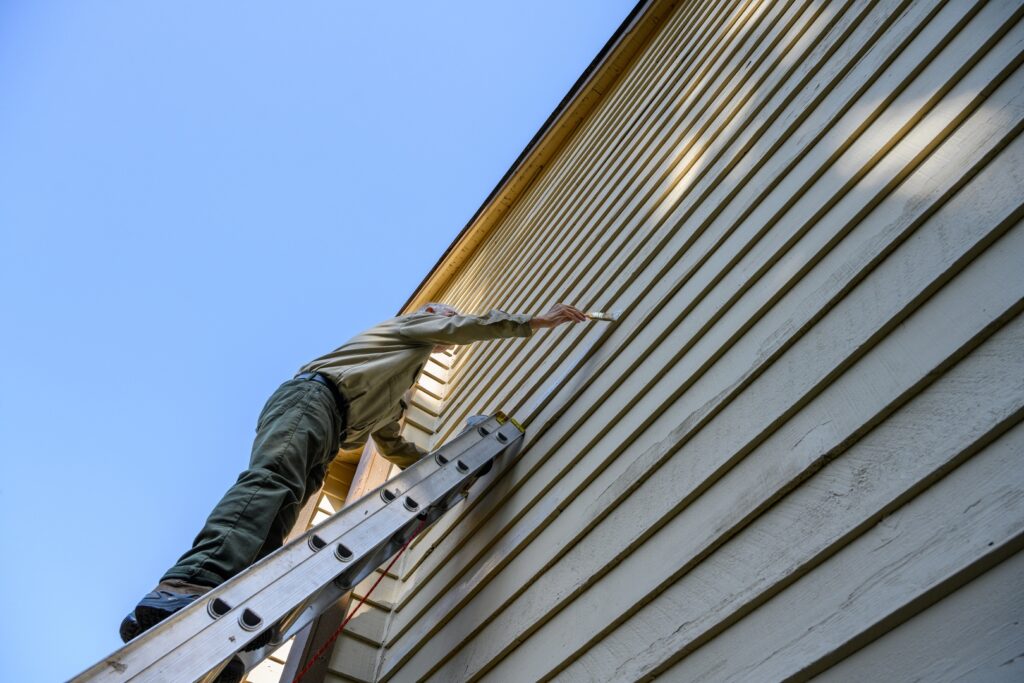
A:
(282, 400)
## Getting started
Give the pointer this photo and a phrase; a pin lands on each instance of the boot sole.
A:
(148, 617)
(129, 629)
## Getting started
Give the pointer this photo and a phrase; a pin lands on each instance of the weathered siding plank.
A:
(915, 555)
(973, 634)
(351, 660)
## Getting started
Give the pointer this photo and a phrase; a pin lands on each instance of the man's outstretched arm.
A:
(464, 329)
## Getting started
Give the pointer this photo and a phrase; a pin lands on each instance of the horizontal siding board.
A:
(427, 402)
(914, 556)
(367, 623)
(383, 595)
(932, 645)
(437, 365)
(421, 417)
(611, 403)
(431, 386)
(352, 660)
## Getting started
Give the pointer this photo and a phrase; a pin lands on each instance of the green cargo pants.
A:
(297, 435)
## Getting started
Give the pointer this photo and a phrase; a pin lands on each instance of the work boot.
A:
(129, 627)
(167, 598)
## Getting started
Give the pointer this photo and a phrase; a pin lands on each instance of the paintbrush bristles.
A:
(607, 316)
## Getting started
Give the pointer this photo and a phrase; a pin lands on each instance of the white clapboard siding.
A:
(713, 449)
(931, 646)
(892, 565)
(797, 452)
(610, 406)
(910, 448)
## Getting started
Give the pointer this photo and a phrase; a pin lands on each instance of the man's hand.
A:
(559, 313)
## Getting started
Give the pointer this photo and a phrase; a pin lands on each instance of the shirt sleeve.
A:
(463, 329)
(394, 448)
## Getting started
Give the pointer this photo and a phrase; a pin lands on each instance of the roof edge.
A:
(597, 79)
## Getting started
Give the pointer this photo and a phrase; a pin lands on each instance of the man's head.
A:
(437, 309)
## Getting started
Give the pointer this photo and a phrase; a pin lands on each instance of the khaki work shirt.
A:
(376, 367)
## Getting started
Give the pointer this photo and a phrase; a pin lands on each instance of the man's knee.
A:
(266, 481)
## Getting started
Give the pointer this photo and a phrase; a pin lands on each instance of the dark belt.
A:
(339, 398)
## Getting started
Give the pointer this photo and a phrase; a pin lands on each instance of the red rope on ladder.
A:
(337, 632)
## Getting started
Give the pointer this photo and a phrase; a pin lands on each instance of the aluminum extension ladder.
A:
(256, 611)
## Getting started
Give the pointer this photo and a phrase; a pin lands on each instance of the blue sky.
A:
(195, 199)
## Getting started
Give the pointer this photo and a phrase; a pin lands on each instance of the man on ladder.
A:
(336, 402)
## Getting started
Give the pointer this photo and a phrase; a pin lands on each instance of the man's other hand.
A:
(559, 313)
